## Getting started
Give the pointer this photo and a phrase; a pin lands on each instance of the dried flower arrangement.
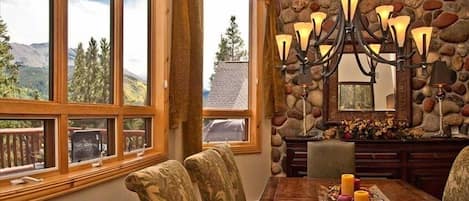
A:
(388, 128)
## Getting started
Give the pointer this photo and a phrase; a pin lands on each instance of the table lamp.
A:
(441, 76)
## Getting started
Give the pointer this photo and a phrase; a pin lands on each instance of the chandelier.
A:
(350, 25)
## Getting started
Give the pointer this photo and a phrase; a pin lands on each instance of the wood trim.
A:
(59, 185)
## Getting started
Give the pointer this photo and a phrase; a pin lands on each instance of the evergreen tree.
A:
(234, 41)
(8, 69)
(92, 73)
(104, 71)
(77, 85)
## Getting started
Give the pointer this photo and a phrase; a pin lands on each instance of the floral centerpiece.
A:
(388, 128)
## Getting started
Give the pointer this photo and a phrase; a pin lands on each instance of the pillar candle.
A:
(346, 185)
(361, 196)
(356, 184)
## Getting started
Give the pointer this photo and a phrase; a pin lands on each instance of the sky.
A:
(92, 18)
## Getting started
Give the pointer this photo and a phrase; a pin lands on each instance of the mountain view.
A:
(34, 72)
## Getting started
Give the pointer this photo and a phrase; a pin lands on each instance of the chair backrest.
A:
(208, 170)
(457, 185)
(235, 178)
(330, 158)
(163, 182)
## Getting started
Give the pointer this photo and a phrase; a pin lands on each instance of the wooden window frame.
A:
(256, 37)
(65, 178)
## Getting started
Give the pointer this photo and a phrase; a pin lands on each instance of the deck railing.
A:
(23, 148)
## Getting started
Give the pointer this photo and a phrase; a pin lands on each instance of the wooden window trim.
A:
(253, 144)
(64, 178)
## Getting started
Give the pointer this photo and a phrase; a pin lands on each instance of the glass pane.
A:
(135, 52)
(137, 134)
(89, 50)
(88, 139)
(24, 33)
(226, 45)
(22, 144)
(216, 130)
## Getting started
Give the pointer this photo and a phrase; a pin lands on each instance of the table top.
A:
(302, 189)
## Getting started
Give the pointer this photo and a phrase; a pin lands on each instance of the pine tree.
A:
(8, 69)
(77, 85)
(92, 73)
(231, 46)
(104, 71)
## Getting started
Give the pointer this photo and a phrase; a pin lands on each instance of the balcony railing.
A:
(22, 149)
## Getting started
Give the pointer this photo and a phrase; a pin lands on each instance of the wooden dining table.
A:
(303, 189)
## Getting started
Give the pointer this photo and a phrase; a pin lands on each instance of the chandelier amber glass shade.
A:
(317, 18)
(303, 30)
(384, 12)
(418, 35)
(283, 45)
(352, 4)
(400, 25)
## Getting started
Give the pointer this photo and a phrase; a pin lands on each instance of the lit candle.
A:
(346, 185)
(361, 196)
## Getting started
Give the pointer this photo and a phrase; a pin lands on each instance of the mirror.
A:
(356, 93)
(349, 95)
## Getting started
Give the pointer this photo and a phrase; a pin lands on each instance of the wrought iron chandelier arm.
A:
(340, 41)
(372, 54)
(336, 64)
(357, 58)
(368, 31)
(328, 35)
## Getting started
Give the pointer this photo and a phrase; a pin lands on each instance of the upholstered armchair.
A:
(167, 181)
(457, 185)
(209, 171)
(233, 173)
(330, 158)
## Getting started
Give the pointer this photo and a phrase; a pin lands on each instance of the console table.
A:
(424, 163)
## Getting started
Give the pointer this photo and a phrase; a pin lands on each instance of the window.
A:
(24, 72)
(79, 109)
(136, 133)
(136, 52)
(229, 96)
(89, 51)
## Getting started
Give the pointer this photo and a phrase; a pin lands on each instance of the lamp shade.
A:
(442, 75)
(375, 48)
(422, 37)
(349, 5)
(400, 25)
(316, 19)
(303, 30)
(324, 49)
(384, 12)
(283, 45)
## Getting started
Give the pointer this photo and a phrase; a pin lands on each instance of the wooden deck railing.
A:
(23, 148)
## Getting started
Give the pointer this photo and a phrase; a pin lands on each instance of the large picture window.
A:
(75, 101)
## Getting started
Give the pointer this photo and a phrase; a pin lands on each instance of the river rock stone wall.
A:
(450, 19)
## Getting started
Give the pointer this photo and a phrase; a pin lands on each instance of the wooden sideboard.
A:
(423, 163)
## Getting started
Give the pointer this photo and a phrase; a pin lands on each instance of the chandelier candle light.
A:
(327, 51)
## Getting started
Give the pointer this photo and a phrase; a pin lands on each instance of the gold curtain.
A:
(185, 89)
(274, 88)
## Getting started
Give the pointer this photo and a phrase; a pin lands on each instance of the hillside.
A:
(34, 71)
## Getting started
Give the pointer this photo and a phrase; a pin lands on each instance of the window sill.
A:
(62, 184)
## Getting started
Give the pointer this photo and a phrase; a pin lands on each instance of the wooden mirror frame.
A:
(403, 98)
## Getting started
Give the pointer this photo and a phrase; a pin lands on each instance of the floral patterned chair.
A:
(233, 173)
(457, 185)
(167, 181)
(209, 171)
(330, 158)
